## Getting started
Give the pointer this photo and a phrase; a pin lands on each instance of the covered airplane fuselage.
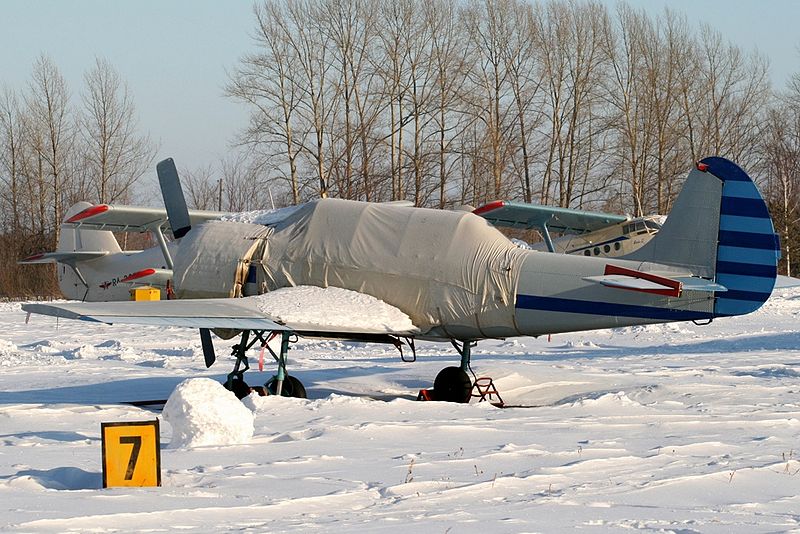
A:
(456, 276)
(451, 272)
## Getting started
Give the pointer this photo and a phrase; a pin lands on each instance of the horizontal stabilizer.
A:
(69, 258)
(628, 282)
(671, 286)
(693, 283)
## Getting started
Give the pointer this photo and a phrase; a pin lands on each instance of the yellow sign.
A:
(131, 454)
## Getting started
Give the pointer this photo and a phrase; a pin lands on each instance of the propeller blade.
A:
(174, 201)
(208, 347)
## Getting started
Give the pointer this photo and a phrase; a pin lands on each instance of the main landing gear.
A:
(453, 384)
(280, 384)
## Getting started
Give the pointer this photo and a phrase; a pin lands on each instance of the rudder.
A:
(748, 249)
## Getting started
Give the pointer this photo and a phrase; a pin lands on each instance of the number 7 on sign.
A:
(136, 441)
(131, 454)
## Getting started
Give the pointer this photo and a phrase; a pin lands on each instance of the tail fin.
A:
(74, 239)
(720, 229)
(76, 245)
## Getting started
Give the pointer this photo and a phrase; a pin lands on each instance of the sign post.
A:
(131, 454)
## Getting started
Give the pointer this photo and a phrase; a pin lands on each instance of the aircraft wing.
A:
(70, 258)
(200, 313)
(561, 220)
(120, 218)
(246, 313)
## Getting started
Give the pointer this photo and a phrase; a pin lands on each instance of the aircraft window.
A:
(639, 226)
(628, 228)
(606, 248)
(587, 252)
(652, 225)
(596, 251)
(617, 246)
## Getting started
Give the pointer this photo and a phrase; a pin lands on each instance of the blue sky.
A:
(175, 54)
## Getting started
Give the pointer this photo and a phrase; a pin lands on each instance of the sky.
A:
(176, 55)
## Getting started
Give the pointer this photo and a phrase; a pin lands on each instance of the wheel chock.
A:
(425, 395)
(485, 390)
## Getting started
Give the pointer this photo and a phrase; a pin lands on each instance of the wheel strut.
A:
(465, 351)
(282, 381)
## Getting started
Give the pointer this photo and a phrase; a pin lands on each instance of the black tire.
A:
(239, 388)
(452, 384)
(292, 387)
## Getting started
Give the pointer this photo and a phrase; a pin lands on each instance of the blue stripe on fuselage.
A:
(587, 307)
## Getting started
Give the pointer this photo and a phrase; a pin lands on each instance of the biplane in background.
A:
(588, 233)
(454, 275)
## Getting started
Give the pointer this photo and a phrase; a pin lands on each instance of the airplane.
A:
(453, 274)
(582, 232)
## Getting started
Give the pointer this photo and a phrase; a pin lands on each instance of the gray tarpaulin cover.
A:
(436, 266)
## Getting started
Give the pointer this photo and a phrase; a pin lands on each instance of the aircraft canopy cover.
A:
(439, 267)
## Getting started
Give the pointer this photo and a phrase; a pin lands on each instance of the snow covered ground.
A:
(670, 428)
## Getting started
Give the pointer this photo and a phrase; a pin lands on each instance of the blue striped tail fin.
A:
(719, 229)
(748, 248)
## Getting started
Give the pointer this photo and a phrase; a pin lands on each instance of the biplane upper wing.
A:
(561, 220)
(121, 218)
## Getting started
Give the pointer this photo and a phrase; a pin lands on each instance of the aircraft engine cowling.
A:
(213, 259)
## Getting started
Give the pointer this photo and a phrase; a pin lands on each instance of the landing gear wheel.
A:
(292, 387)
(239, 388)
(452, 384)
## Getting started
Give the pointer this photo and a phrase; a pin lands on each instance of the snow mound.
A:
(314, 305)
(60, 478)
(202, 413)
(606, 400)
(8, 353)
(265, 217)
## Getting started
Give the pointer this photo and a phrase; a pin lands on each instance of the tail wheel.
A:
(452, 384)
(292, 387)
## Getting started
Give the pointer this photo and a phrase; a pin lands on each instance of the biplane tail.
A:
(75, 246)
(720, 229)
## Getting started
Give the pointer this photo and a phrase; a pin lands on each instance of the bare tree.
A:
(449, 65)
(11, 154)
(781, 171)
(489, 38)
(310, 46)
(243, 188)
(267, 81)
(53, 135)
(203, 191)
(115, 155)
(519, 58)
